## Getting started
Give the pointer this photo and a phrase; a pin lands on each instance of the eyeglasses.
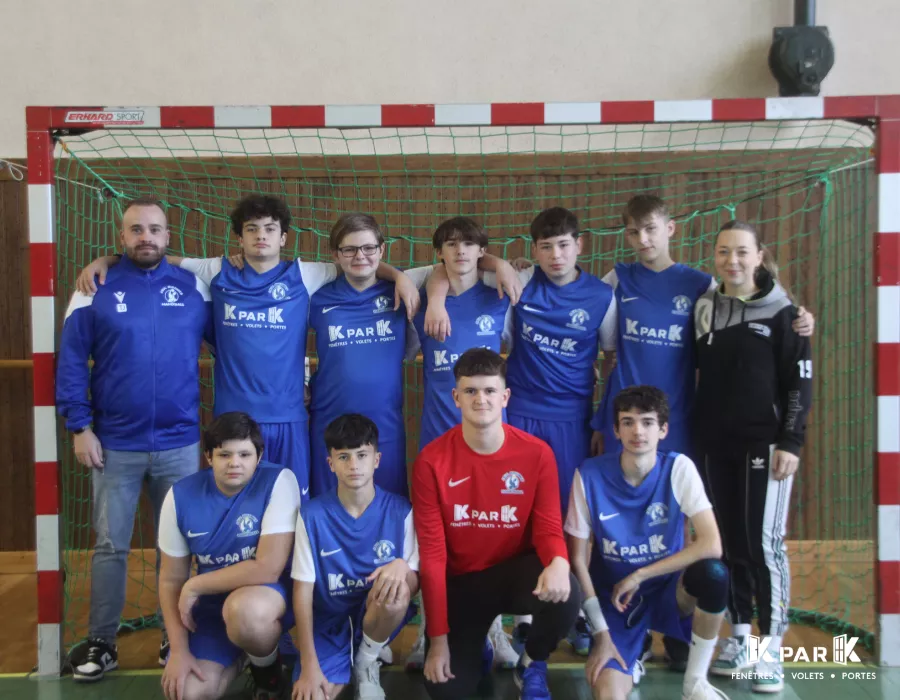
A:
(350, 251)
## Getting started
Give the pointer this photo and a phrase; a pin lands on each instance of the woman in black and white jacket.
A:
(754, 392)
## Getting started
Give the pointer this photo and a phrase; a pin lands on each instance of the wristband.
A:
(594, 615)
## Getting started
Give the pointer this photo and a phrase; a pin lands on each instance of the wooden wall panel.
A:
(16, 443)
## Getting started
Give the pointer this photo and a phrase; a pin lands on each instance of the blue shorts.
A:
(210, 642)
(571, 445)
(337, 637)
(287, 444)
(656, 610)
(390, 475)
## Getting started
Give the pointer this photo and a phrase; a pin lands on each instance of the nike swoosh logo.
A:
(196, 534)
(328, 554)
(532, 309)
(326, 309)
(457, 483)
(624, 299)
(306, 490)
(607, 517)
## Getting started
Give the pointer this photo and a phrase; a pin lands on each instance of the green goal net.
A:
(808, 185)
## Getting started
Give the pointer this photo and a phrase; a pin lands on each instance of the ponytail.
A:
(768, 265)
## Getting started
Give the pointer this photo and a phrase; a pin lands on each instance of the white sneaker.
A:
(416, 659)
(368, 682)
(702, 689)
(734, 657)
(637, 673)
(768, 676)
(504, 655)
(386, 655)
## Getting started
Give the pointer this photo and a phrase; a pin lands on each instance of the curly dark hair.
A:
(643, 399)
(260, 206)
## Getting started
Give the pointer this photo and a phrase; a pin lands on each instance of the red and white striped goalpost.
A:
(41, 122)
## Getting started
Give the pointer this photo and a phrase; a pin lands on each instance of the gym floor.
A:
(139, 680)
(566, 683)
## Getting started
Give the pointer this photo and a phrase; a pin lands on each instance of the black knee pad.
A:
(707, 581)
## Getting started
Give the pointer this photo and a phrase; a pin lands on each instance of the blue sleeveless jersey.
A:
(632, 526)
(477, 317)
(222, 530)
(361, 344)
(655, 344)
(556, 331)
(261, 323)
(346, 550)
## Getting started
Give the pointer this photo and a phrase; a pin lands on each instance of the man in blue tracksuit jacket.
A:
(136, 415)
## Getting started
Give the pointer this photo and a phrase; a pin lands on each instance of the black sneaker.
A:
(100, 658)
(268, 681)
(677, 652)
(164, 649)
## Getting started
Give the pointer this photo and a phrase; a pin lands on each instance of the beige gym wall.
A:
(122, 52)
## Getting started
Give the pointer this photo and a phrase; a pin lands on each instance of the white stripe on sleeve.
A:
(688, 487)
(79, 301)
(171, 539)
(316, 275)
(303, 568)
(281, 513)
(578, 518)
(410, 543)
(204, 268)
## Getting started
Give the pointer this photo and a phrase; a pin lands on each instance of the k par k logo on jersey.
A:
(546, 343)
(637, 332)
(270, 318)
(341, 335)
(841, 651)
(465, 517)
(343, 584)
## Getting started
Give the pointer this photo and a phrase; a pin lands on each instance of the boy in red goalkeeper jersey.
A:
(486, 510)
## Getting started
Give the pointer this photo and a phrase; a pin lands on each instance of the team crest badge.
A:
(485, 325)
(171, 295)
(511, 482)
(278, 291)
(382, 304)
(658, 514)
(682, 305)
(384, 551)
(247, 525)
(577, 319)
